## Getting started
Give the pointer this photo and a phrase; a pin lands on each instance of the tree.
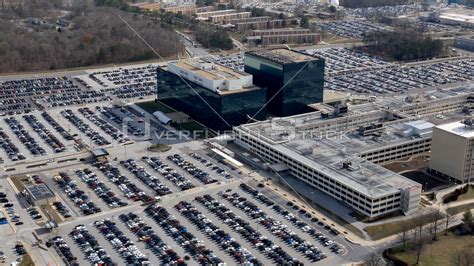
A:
(468, 220)
(418, 246)
(304, 23)
(448, 220)
(373, 259)
(462, 257)
(419, 223)
(434, 218)
(332, 9)
(403, 235)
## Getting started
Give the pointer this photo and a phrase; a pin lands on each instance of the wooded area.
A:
(403, 45)
(96, 36)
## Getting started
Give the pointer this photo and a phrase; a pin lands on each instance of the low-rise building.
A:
(464, 42)
(39, 194)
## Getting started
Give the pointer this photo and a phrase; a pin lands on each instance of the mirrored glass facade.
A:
(207, 107)
(290, 86)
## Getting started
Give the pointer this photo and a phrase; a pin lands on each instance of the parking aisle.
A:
(160, 177)
(175, 168)
(38, 132)
(139, 244)
(162, 234)
(265, 232)
(279, 217)
(209, 244)
(64, 124)
(113, 187)
(106, 245)
(14, 139)
(134, 179)
(261, 257)
(201, 166)
(92, 125)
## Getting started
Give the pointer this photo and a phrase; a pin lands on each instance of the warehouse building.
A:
(292, 79)
(452, 149)
(210, 92)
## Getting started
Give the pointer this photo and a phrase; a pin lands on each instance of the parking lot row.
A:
(45, 92)
(125, 83)
(339, 60)
(350, 28)
(182, 235)
(403, 79)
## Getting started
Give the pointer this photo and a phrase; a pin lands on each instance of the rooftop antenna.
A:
(287, 47)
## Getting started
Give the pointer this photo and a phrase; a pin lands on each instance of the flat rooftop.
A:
(39, 191)
(327, 157)
(461, 17)
(459, 129)
(215, 72)
(283, 56)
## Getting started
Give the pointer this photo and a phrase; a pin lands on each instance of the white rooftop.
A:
(459, 129)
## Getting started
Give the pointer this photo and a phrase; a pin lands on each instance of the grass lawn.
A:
(159, 147)
(468, 195)
(26, 261)
(460, 208)
(153, 106)
(387, 229)
(438, 252)
(195, 129)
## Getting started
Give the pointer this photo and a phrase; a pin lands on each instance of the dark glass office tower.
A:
(292, 79)
(207, 106)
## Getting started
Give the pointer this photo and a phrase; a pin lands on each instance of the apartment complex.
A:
(452, 150)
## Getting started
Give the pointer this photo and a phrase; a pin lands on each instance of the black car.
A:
(8, 205)
(18, 223)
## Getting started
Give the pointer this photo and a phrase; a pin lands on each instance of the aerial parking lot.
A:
(340, 60)
(216, 228)
(177, 207)
(82, 185)
(405, 78)
(350, 28)
(125, 83)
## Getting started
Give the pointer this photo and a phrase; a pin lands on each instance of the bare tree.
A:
(437, 217)
(419, 248)
(419, 223)
(448, 220)
(373, 259)
(462, 257)
(403, 235)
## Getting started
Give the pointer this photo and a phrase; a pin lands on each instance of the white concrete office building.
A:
(452, 149)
